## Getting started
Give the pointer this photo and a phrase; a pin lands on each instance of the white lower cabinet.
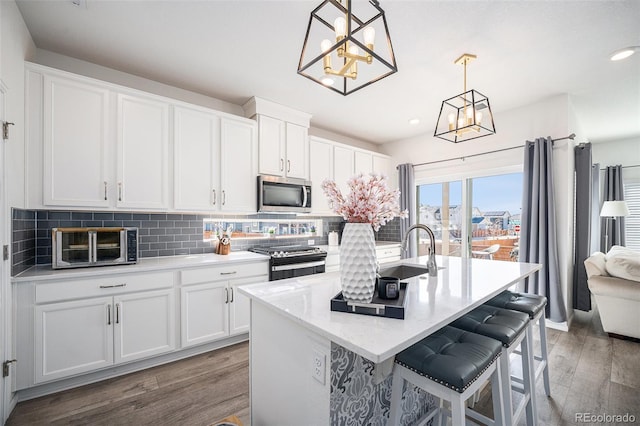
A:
(211, 308)
(72, 338)
(108, 323)
(80, 336)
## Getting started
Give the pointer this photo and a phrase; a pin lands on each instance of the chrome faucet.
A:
(431, 262)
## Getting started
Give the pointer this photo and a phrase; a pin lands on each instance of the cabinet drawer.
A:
(388, 254)
(107, 286)
(223, 272)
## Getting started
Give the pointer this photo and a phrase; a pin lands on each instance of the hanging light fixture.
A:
(340, 37)
(465, 116)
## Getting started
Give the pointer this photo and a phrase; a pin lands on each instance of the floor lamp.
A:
(611, 210)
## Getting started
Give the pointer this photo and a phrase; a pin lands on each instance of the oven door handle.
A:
(292, 266)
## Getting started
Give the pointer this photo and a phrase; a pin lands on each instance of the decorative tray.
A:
(388, 308)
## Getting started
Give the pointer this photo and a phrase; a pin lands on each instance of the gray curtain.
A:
(538, 242)
(407, 186)
(582, 240)
(612, 191)
(595, 208)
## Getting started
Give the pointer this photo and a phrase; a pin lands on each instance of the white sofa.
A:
(614, 281)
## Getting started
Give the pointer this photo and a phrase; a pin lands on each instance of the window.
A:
(490, 220)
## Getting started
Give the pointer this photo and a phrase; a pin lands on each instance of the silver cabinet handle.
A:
(105, 190)
(226, 295)
(214, 197)
(114, 286)
(117, 313)
(119, 191)
(281, 164)
(228, 273)
(224, 197)
(108, 314)
(231, 294)
(288, 166)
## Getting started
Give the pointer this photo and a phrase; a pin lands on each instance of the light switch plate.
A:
(311, 242)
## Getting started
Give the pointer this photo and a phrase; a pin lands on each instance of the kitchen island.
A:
(310, 365)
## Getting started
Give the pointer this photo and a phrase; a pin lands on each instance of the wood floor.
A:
(196, 391)
(590, 373)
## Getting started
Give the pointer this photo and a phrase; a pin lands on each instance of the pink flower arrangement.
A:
(369, 200)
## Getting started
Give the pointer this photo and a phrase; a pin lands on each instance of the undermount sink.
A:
(404, 271)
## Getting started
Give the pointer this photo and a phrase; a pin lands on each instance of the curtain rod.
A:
(571, 136)
(624, 167)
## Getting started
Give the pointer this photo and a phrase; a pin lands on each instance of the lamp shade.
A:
(614, 209)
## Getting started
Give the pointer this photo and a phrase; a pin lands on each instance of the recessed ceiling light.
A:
(624, 53)
(414, 121)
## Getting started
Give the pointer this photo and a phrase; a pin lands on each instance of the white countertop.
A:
(45, 272)
(432, 303)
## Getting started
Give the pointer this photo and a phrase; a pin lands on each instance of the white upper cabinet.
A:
(283, 138)
(363, 162)
(343, 166)
(284, 148)
(320, 168)
(272, 145)
(143, 153)
(196, 159)
(76, 134)
(297, 164)
(238, 166)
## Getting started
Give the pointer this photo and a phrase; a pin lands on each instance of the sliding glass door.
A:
(495, 223)
(440, 208)
(474, 216)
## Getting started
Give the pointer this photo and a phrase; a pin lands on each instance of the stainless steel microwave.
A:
(284, 195)
(82, 247)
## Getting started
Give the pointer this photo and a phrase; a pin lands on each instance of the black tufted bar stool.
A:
(511, 328)
(450, 364)
(532, 305)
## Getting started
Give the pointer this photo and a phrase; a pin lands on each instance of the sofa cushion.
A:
(595, 265)
(623, 263)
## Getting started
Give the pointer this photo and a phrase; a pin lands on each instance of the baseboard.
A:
(561, 326)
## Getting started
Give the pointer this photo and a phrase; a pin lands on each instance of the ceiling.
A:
(233, 50)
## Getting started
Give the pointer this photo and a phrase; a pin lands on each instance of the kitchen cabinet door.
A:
(204, 313)
(73, 338)
(343, 167)
(144, 324)
(297, 149)
(238, 166)
(271, 146)
(320, 168)
(363, 162)
(196, 160)
(240, 305)
(75, 133)
(143, 153)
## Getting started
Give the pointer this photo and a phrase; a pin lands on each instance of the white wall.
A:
(625, 152)
(17, 46)
(336, 137)
(550, 117)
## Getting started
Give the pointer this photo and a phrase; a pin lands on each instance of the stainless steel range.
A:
(293, 261)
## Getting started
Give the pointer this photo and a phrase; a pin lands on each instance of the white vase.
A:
(358, 262)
